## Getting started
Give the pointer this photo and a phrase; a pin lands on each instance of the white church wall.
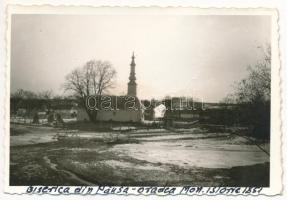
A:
(119, 115)
(109, 115)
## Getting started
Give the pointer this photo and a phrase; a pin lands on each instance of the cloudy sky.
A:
(198, 56)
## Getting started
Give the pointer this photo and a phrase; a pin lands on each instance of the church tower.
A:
(132, 85)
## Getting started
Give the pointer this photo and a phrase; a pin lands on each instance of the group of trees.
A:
(95, 78)
(29, 100)
(253, 95)
(32, 102)
(26, 94)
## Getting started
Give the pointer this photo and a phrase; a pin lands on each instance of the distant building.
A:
(182, 109)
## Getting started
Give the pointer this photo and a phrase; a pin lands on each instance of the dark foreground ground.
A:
(140, 158)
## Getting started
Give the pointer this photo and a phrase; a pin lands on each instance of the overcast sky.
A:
(198, 56)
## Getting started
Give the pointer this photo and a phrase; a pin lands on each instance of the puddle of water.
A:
(31, 139)
(123, 128)
(150, 130)
(183, 136)
(38, 135)
(206, 153)
(83, 149)
(122, 164)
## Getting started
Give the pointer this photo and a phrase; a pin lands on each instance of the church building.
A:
(122, 111)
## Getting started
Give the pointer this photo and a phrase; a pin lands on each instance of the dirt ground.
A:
(139, 157)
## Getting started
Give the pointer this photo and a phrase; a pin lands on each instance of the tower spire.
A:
(133, 59)
(132, 86)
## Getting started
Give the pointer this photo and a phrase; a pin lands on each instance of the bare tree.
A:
(24, 94)
(96, 77)
(253, 94)
(46, 94)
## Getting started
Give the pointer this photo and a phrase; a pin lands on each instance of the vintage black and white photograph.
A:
(140, 99)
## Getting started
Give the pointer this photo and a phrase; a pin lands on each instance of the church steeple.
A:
(133, 59)
(132, 86)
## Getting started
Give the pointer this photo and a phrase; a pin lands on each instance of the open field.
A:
(194, 156)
